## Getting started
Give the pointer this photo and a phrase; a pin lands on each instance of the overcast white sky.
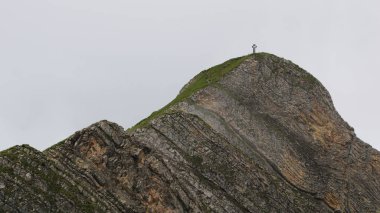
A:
(67, 64)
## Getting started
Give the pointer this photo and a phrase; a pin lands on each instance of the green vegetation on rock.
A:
(200, 81)
(25, 159)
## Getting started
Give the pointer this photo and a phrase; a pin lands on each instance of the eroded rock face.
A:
(264, 138)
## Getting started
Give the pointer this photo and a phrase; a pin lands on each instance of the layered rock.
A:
(255, 134)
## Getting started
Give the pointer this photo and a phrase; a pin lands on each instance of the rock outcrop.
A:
(254, 134)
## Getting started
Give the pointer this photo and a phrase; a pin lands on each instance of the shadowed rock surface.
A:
(255, 134)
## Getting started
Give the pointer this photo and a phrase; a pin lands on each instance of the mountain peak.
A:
(254, 134)
(260, 74)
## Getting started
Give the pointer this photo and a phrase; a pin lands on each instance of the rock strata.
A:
(254, 134)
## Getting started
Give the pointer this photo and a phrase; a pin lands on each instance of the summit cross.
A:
(254, 46)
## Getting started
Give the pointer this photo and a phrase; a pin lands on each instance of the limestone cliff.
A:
(254, 134)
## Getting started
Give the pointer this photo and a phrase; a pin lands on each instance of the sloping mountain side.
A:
(254, 134)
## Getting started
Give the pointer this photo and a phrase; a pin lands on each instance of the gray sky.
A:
(67, 64)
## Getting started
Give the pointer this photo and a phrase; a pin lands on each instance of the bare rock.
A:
(28, 177)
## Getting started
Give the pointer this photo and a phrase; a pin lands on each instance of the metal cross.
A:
(254, 46)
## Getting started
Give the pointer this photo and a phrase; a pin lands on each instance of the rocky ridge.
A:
(254, 134)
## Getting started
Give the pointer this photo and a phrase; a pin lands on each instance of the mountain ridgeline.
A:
(254, 134)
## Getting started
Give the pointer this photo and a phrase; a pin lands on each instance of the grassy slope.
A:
(200, 81)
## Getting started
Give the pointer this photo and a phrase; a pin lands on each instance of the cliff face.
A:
(255, 134)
